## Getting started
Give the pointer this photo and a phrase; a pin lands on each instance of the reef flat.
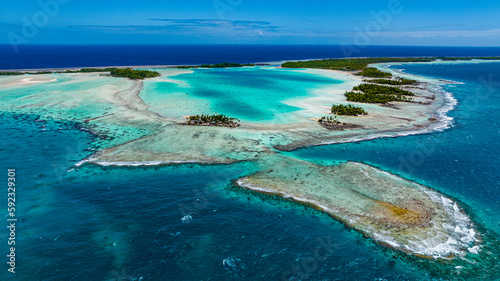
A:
(391, 210)
(142, 123)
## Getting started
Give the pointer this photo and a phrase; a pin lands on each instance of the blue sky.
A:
(387, 22)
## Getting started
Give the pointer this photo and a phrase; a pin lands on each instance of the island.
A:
(113, 71)
(179, 116)
(213, 120)
(349, 109)
(360, 66)
(10, 73)
(134, 74)
(218, 65)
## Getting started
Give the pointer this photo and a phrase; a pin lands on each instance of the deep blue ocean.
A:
(188, 223)
(47, 56)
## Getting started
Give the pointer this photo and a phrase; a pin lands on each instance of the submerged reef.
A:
(135, 130)
(213, 120)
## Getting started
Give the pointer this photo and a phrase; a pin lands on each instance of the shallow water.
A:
(110, 223)
(462, 161)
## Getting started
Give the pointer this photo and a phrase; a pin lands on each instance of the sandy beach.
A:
(128, 101)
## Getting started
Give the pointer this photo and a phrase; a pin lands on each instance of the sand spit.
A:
(393, 211)
(217, 144)
(115, 107)
(17, 81)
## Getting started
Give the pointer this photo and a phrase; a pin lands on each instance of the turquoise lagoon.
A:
(251, 94)
(189, 222)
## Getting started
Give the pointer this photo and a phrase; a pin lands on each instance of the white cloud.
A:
(443, 33)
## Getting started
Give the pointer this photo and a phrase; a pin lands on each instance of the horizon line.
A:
(236, 44)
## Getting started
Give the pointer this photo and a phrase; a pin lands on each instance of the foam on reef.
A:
(391, 210)
(142, 123)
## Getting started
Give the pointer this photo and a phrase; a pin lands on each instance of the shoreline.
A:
(446, 206)
(160, 66)
(171, 143)
(385, 126)
(444, 122)
(55, 69)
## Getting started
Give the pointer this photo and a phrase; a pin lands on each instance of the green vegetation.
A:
(367, 93)
(83, 70)
(374, 98)
(332, 123)
(134, 74)
(349, 64)
(356, 64)
(374, 72)
(329, 121)
(10, 73)
(213, 120)
(225, 65)
(219, 65)
(382, 90)
(454, 58)
(109, 69)
(397, 81)
(349, 109)
(89, 70)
